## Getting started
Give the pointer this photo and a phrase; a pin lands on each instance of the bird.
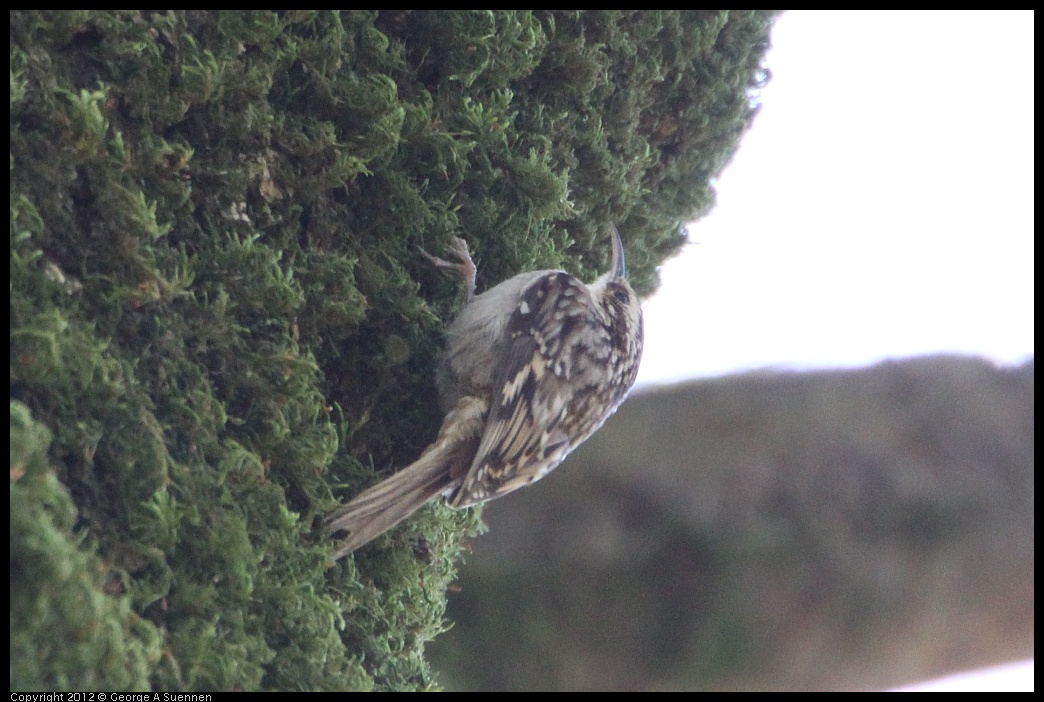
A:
(531, 368)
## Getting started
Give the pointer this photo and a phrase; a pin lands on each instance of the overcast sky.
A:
(880, 207)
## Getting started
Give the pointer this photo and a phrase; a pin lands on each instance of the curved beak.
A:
(618, 266)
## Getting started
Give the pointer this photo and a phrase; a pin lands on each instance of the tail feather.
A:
(441, 468)
(379, 508)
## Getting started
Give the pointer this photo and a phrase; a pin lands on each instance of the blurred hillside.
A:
(804, 531)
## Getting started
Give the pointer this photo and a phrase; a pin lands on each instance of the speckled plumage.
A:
(532, 368)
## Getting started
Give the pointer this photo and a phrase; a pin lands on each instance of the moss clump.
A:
(217, 307)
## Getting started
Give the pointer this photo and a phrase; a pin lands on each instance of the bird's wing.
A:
(529, 431)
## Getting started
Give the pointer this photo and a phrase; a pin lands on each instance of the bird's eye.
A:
(622, 296)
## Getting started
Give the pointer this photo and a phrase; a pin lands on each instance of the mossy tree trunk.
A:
(221, 324)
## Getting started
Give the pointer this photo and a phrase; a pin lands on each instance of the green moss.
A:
(68, 629)
(220, 315)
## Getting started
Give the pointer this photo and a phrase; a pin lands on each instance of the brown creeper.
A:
(532, 368)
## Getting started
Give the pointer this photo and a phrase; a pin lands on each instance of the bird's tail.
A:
(374, 511)
(378, 509)
(439, 469)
